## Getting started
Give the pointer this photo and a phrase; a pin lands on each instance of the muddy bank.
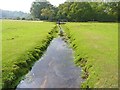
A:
(26, 62)
(55, 69)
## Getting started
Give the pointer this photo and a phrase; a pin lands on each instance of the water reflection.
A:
(55, 69)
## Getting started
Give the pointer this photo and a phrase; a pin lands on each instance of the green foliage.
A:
(76, 11)
(88, 11)
(47, 13)
(96, 52)
(39, 9)
(63, 10)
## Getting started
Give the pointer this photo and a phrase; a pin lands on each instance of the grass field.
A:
(0, 53)
(19, 38)
(95, 45)
(96, 51)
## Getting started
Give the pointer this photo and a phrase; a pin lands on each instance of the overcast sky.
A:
(22, 5)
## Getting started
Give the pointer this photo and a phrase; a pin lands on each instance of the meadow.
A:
(95, 46)
(96, 51)
(23, 42)
(0, 53)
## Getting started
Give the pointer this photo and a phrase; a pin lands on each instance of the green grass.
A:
(20, 39)
(96, 50)
(0, 53)
(95, 45)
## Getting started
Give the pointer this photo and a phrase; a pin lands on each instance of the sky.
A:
(23, 5)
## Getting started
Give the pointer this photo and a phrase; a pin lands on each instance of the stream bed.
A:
(55, 69)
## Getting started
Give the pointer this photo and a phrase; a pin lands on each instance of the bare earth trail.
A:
(55, 69)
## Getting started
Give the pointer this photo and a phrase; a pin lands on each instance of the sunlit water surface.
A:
(55, 69)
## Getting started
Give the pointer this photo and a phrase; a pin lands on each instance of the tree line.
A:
(75, 11)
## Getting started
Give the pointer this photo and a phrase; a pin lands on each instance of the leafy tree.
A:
(76, 11)
(63, 10)
(37, 6)
(104, 11)
(81, 11)
(88, 11)
(47, 13)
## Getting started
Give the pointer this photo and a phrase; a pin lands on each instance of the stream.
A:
(55, 69)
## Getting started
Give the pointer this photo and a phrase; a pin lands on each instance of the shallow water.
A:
(55, 69)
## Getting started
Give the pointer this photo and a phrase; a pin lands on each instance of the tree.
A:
(88, 11)
(37, 6)
(18, 18)
(76, 11)
(81, 11)
(63, 10)
(105, 11)
(47, 13)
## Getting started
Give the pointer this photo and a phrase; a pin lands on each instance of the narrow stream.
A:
(55, 69)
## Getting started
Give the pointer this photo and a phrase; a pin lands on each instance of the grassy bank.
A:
(96, 51)
(23, 42)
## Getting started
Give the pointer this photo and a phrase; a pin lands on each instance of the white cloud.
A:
(22, 5)
(18, 5)
(56, 2)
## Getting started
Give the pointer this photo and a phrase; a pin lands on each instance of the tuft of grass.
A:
(96, 51)
(23, 42)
